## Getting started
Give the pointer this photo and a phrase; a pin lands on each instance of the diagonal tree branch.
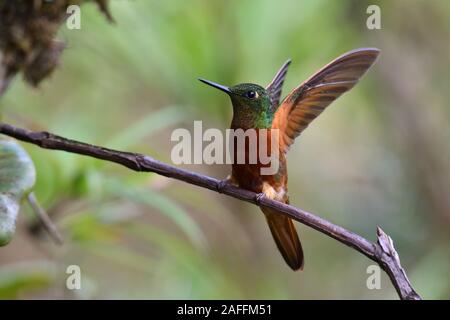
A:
(382, 252)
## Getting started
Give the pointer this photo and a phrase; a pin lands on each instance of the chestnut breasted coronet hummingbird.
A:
(256, 107)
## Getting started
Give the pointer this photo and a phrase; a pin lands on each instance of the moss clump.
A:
(27, 37)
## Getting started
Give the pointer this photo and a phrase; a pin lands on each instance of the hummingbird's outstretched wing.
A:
(274, 88)
(309, 99)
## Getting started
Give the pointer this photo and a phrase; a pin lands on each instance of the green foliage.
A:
(378, 156)
(163, 204)
(17, 177)
(25, 277)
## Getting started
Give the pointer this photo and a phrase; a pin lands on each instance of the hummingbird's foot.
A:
(259, 197)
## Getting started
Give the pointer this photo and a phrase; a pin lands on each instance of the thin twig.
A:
(45, 220)
(381, 252)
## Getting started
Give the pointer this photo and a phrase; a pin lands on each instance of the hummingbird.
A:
(256, 107)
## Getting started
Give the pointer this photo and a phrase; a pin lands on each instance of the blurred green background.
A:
(378, 156)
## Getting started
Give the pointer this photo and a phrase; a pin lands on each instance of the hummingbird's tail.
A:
(286, 238)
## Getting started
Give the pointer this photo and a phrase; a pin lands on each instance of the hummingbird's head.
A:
(251, 104)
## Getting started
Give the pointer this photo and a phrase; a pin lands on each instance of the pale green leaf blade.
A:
(17, 178)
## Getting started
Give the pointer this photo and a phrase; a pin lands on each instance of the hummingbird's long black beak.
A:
(216, 85)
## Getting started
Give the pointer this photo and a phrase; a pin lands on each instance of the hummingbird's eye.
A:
(252, 94)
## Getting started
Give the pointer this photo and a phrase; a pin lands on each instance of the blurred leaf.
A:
(88, 226)
(147, 125)
(181, 252)
(17, 177)
(164, 204)
(429, 273)
(21, 278)
(121, 255)
(184, 270)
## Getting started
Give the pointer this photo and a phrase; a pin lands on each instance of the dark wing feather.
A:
(309, 99)
(274, 88)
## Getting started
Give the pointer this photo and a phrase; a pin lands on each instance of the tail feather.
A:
(286, 238)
